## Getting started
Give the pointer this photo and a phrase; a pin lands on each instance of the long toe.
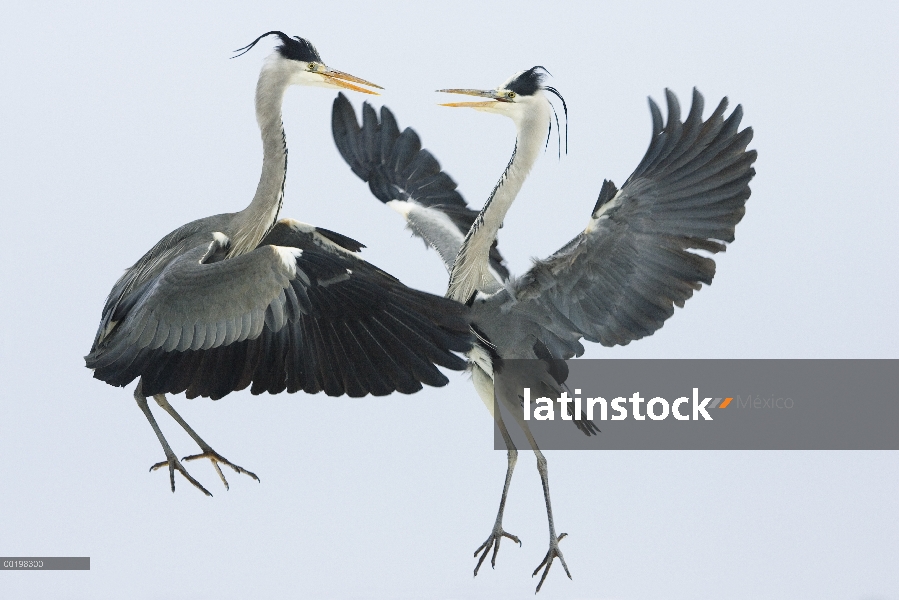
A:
(492, 542)
(552, 553)
(173, 465)
(217, 459)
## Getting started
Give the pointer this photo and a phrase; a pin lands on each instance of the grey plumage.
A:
(615, 282)
(620, 280)
(397, 168)
(324, 320)
(243, 299)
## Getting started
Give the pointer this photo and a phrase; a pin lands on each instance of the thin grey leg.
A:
(171, 460)
(554, 540)
(498, 533)
(208, 452)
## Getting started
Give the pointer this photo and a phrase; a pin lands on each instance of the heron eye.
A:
(511, 94)
(312, 66)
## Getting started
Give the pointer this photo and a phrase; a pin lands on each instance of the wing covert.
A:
(620, 279)
(301, 315)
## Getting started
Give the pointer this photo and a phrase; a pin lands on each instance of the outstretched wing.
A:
(300, 312)
(407, 178)
(620, 279)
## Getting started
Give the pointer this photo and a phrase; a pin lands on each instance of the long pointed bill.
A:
(345, 80)
(494, 98)
(487, 104)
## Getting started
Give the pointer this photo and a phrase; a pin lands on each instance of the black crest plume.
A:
(553, 90)
(528, 82)
(294, 48)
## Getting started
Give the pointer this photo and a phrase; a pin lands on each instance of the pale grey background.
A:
(119, 123)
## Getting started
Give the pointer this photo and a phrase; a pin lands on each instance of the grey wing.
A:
(292, 317)
(620, 279)
(149, 266)
(403, 175)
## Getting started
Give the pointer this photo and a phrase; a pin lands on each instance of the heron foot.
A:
(552, 553)
(493, 541)
(217, 458)
(173, 463)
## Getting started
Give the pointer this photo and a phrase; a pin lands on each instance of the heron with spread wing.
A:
(245, 299)
(616, 281)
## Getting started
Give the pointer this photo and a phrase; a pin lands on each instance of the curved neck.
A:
(252, 223)
(471, 272)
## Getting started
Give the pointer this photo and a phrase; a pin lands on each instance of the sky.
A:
(120, 122)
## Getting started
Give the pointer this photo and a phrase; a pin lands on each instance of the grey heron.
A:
(615, 282)
(244, 298)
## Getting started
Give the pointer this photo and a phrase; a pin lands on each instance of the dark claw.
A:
(481, 560)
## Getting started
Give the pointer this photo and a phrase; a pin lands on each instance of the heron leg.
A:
(171, 460)
(207, 451)
(554, 540)
(498, 532)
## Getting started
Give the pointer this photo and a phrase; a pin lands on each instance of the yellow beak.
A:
(494, 98)
(345, 80)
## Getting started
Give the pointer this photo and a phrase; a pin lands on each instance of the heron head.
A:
(513, 98)
(305, 66)
(520, 98)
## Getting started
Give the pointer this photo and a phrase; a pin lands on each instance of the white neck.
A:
(252, 223)
(471, 272)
